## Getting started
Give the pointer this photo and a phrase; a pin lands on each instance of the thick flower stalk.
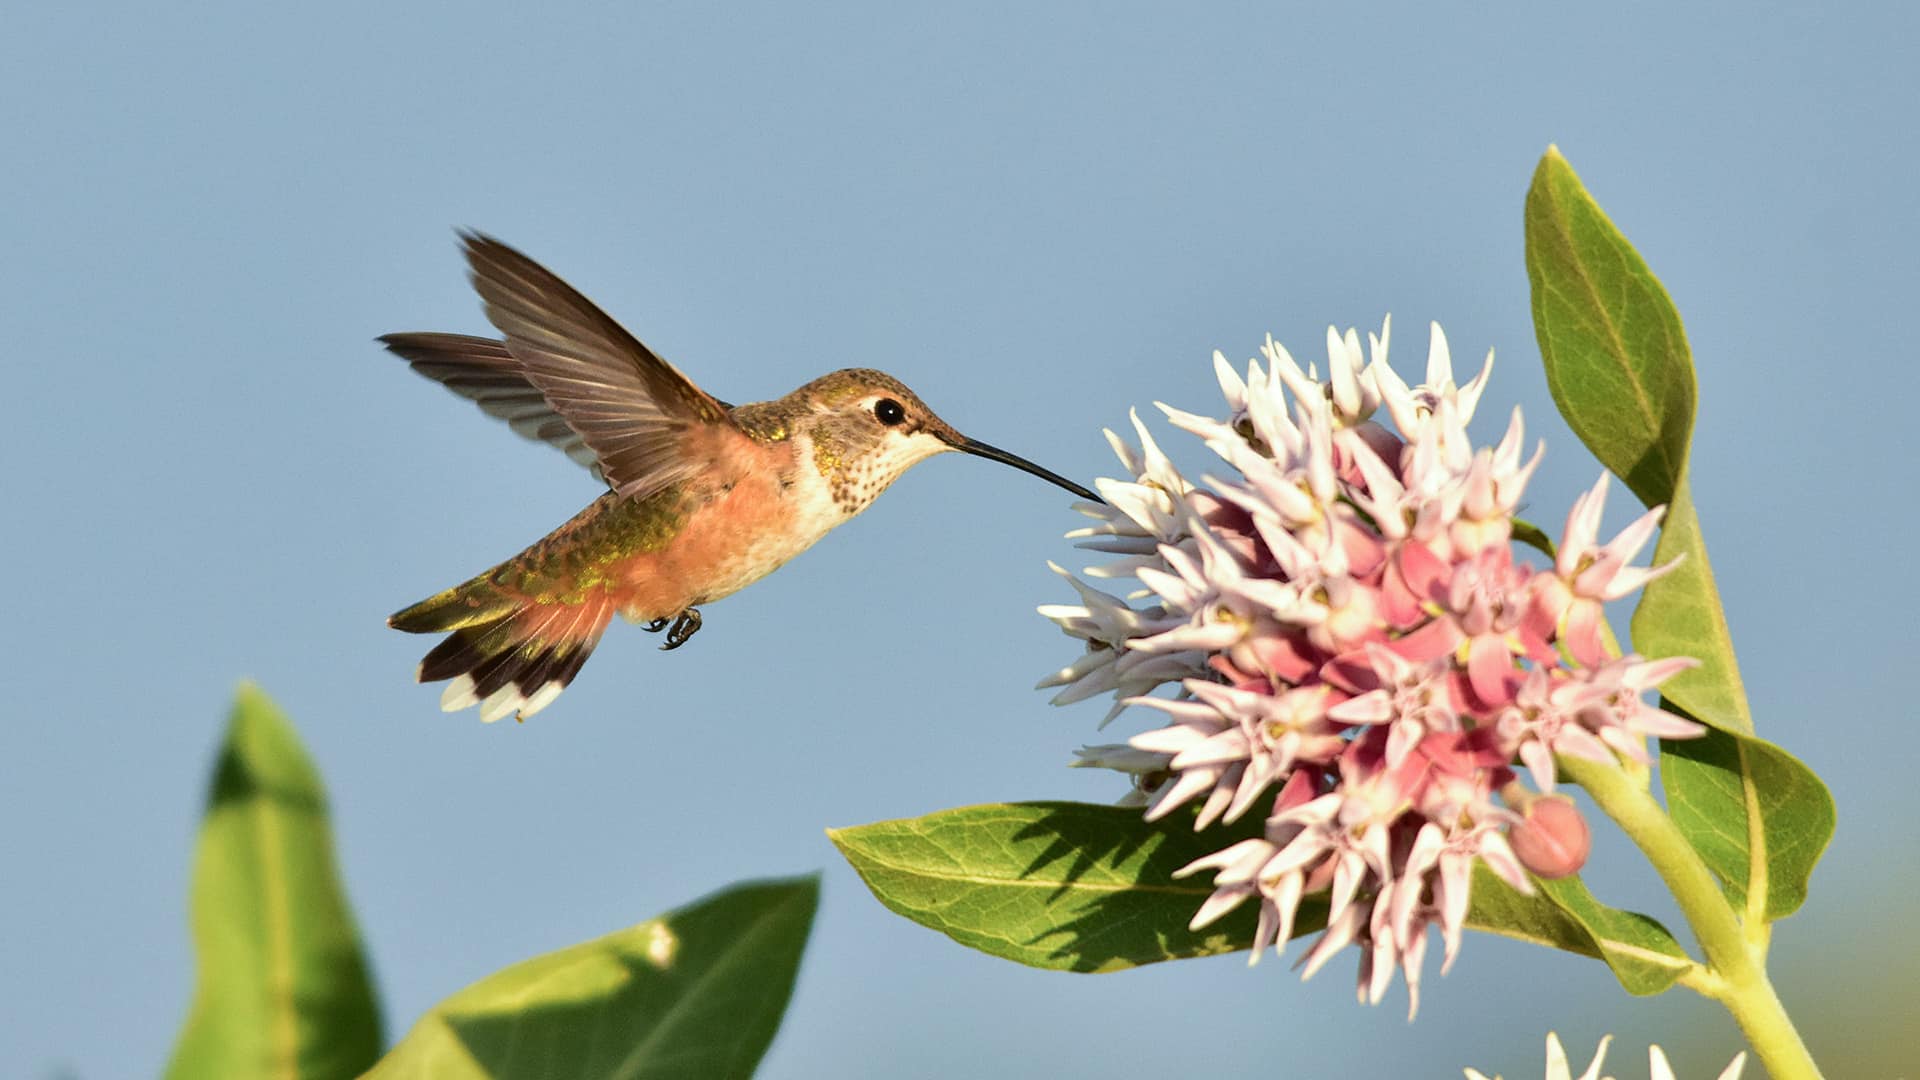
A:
(1357, 652)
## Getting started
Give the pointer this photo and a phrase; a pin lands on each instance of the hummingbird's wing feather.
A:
(483, 371)
(633, 409)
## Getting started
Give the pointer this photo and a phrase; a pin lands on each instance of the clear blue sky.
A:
(1037, 219)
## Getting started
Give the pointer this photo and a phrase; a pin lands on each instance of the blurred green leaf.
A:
(1753, 812)
(283, 989)
(697, 992)
(1621, 373)
(1077, 887)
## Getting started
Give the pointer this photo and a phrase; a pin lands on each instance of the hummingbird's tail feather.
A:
(514, 664)
(471, 603)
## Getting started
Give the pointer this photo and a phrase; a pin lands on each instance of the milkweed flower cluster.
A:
(1658, 1068)
(1356, 652)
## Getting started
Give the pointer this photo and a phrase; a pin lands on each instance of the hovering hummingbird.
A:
(705, 498)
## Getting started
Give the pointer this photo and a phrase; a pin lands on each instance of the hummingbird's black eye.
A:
(889, 411)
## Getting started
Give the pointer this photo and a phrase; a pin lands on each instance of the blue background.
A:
(1037, 219)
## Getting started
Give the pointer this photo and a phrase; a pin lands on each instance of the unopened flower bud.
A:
(1551, 839)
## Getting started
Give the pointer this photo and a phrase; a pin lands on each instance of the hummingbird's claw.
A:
(685, 625)
(656, 626)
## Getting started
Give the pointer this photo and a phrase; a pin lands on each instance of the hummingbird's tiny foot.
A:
(684, 626)
(656, 626)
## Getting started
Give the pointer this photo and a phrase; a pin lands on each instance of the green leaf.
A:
(1757, 816)
(697, 992)
(1059, 885)
(1563, 914)
(1076, 887)
(1620, 370)
(1616, 357)
(283, 989)
(1680, 615)
(1621, 373)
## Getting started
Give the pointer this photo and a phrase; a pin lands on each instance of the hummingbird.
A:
(704, 498)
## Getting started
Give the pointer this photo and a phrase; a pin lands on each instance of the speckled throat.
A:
(858, 467)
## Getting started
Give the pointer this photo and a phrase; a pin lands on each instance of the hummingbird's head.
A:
(867, 428)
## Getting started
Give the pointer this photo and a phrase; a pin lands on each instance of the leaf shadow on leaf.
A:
(503, 1040)
(1651, 475)
(496, 1038)
(236, 780)
(697, 992)
(1116, 903)
(1062, 831)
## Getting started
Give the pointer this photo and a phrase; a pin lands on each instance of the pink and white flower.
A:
(1356, 652)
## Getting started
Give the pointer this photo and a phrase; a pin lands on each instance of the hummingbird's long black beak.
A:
(980, 449)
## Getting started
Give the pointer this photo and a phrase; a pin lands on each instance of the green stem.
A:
(1741, 984)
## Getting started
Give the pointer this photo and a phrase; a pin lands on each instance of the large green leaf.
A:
(1621, 373)
(1617, 359)
(1642, 953)
(1757, 816)
(283, 990)
(695, 993)
(1563, 914)
(1060, 885)
(1077, 887)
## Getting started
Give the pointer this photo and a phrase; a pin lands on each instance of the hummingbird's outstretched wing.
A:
(631, 408)
(485, 373)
